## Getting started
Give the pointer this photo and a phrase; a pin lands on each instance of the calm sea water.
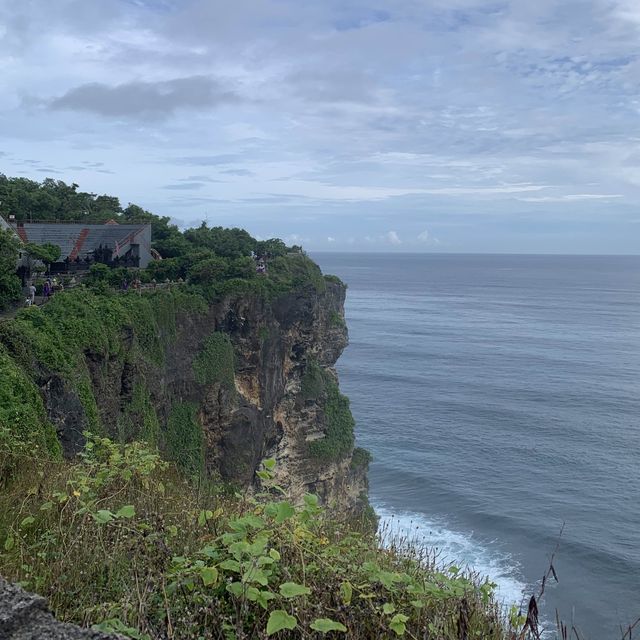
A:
(500, 397)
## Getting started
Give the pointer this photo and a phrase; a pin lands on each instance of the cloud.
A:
(424, 236)
(244, 173)
(573, 197)
(330, 239)
(393, 238)
(208, 161)
(146, 99)
(184, 186)
(378, 114)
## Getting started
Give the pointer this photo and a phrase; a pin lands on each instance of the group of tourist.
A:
(49, 287)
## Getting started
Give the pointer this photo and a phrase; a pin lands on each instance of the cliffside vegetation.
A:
(119, 540)
(9, 282)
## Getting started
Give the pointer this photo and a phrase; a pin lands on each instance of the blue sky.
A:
(379, 125)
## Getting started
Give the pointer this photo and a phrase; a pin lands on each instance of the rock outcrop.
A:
(25, 616)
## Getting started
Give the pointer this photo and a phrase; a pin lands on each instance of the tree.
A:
(9, 282)
(47, 253)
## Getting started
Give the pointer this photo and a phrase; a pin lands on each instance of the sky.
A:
(361, 125)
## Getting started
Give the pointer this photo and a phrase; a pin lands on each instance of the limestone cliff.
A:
(220, 387)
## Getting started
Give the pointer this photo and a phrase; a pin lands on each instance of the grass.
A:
(188, 563)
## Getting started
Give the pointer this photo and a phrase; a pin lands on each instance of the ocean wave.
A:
(458, 548)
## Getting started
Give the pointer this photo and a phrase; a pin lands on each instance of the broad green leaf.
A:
(274, 554)
(269, 464)
(324, 625)
(255, 575)
(46, 506)
(346, 592)
(293, 590)
(285, 511)
(27, 521)
(279, 620)
(236, 588)
(398, 625)
(209, 575)
(103, 516)
(128, 511)
(230, 565)
(263, 475)
(9, 543)
(257, 547)
(261, 596)
(388, 608)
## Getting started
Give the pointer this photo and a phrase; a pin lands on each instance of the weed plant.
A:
(120, 541)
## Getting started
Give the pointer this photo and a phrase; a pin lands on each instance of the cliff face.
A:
(225, 388)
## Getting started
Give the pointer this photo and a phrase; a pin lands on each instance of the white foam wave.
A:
(460, 549)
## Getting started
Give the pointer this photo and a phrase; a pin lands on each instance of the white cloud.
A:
(424, 236)
(393, 238)
(330, 239)
(572, 197)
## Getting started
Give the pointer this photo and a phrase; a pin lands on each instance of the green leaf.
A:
(324, 625)
(279, 620)
(293, 590)
(398, 625)
(255, 575)
(269, 464)
(103, 516)
(285, 511)
(388, 608)
(27, 521)
(9, 543)
(263, 475)
(209, 575)
(128, 511)
(260, 596)
(46, 506)
(274, 554)
(230, 565)
(346, 592)
(236, 588)
(311, 500)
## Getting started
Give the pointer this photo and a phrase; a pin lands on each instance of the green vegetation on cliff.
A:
(9, 282)
(63, 338)
(215, 362)
(118, 540)
(318, 385)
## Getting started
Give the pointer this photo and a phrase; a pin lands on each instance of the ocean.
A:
(500, 398)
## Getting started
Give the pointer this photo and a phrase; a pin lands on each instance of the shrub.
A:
(338, 440)
(188, 564)
(312, 385)
(360, 458)
(9, 282)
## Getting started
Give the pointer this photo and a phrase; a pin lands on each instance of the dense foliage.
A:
(55, 340)
(187, 563)
(9, 282)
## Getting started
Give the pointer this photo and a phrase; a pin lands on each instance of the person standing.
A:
(32, 294)
(46, 291)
